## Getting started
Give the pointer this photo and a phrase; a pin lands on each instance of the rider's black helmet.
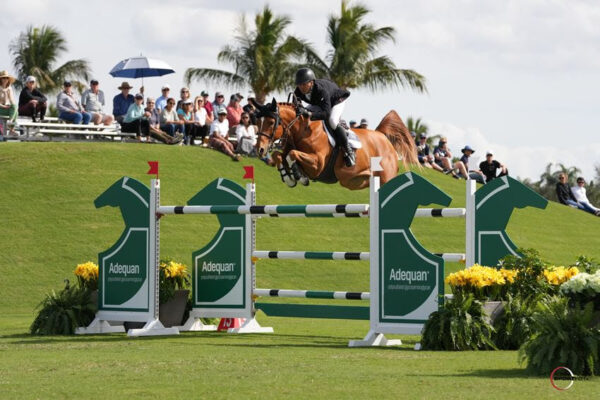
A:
(304, 75)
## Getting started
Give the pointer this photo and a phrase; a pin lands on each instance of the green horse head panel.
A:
(219, 266)
(410, 277)
(494, 204)
(123, 268)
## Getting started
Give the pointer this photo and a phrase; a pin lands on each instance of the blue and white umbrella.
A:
(141, 67)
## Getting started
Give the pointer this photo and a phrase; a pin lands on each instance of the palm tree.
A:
(352, 62)
(36, 51)
(263, 58)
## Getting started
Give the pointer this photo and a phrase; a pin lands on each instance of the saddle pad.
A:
(353, 139)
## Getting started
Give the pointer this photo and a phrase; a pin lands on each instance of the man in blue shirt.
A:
(121, 102)
(161, 102)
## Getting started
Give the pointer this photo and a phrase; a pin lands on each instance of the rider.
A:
(329, 101)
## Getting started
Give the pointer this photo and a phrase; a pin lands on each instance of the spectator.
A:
(364, 124)
(581, 197)
(154, 121)
(218, 104)
(93, 102)
(202, 119)
(443, 158)
(353, 124)
(250, 109)
(246, 135)
(464, 160)
(424, 154)
(137, 119)
(121, 102)
(207, 104)
(161, 101)
(234, 110)
(186, 115)
(566, 197)
(219, 136)
(185, 95)
(489, 168)
(169, 121)
(8, 105)
(69, 109)
(31, 101)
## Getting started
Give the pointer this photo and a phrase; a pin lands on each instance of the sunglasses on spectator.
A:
(171, 102)
(244, 117)
(220, 96)
(185, 91)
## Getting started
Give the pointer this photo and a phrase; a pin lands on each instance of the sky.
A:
(519, 78)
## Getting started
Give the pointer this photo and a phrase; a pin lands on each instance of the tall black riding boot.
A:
(342, 140)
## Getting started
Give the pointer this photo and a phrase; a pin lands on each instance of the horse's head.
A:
(273, 119)
(131, 196)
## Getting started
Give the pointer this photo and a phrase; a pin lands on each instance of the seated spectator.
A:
(69, 108)
(246, 135)
(489, 168)
(185, 95)
(122, 101)
(443, 158)
(161, 101)
(169, 120)
(353, 124)
(234, 110)
(218, 135)
(8, 105)
(364, 124)
(154, 121)
(93, 102)
(581, 196)
(31, 101)
(424, 154)
(202, 119)
(249, 107)
(464, 160)
(566, 197)
(186, 115)
(137, 118)
(207, 104)
(218, 104)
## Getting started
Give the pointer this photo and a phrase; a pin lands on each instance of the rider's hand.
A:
(303, 112)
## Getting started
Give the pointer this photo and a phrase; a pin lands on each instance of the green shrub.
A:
(563, 336)
(587, 265)
(529, 282)
(459, 325)
(61, 313)
(514, 326)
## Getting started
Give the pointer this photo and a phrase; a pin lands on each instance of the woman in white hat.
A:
(8, 105)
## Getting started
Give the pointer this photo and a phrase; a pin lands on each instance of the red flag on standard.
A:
(153, 168)
(249, 172)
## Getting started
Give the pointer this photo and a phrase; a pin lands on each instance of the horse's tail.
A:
(397, 133)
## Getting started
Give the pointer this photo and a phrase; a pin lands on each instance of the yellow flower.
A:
(87, 271)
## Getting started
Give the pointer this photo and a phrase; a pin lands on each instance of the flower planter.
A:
(94, 298)
(171, 312)
(493, 310)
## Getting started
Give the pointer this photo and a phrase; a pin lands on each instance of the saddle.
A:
(353, 139)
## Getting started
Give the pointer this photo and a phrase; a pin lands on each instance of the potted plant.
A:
(87, 277)
(173, 294)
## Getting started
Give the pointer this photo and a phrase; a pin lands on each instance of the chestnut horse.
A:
(306, 153)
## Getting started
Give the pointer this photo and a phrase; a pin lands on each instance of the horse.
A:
(495, 202)
(306, 152)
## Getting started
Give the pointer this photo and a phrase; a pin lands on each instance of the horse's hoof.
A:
(290, 182)
(305, 181)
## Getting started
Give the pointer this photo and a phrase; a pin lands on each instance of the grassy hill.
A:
(49, 223)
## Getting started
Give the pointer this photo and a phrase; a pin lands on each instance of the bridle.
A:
(271, 137)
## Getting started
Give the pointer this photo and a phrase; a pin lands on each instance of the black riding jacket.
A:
(324, 94)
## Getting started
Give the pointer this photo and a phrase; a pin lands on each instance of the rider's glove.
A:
(303, 112)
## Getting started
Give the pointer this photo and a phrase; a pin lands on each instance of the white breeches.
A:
(335, 115)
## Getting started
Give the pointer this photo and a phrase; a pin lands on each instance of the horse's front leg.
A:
(284, 170)
(309, 164)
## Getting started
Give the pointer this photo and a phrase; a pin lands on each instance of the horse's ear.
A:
(255, 103)
(274, 103)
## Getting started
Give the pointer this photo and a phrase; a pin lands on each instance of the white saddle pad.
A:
(353, 139)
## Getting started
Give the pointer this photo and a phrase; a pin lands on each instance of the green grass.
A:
(49, 224)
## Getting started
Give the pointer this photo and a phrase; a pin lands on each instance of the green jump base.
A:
(314, 311)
